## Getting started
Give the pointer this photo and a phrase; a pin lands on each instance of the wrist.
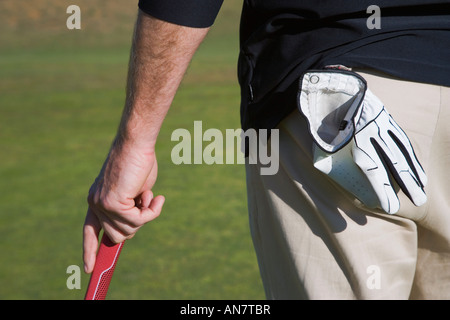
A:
(125, 144)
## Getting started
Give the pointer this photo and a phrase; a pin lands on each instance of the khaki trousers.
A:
(313, 240)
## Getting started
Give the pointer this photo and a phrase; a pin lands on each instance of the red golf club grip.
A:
(107, 257)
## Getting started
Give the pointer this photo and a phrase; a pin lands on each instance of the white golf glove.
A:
(357, 143)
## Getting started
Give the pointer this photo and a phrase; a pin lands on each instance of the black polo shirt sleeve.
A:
(189, 13)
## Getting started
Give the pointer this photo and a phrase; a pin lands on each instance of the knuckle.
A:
(117, 238)
(106, 204)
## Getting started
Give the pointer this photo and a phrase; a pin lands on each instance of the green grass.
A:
(61, 95)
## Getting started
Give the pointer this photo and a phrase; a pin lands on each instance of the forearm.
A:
(120, 199)
(160, 55)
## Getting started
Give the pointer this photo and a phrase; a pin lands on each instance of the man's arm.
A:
(120, 200)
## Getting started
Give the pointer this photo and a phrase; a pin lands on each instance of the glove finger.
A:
(417, 195)
(397, 165)
(405, 146)
(367, 158)
(403, 163)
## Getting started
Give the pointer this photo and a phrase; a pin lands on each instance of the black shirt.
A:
(281, 39)
(191, 13)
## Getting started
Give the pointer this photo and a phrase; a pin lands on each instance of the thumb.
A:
(156, 204)
(154, 207)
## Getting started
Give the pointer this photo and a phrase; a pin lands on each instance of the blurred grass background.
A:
(61, 96)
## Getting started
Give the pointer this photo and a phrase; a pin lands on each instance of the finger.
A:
(123, 226)
(120, 226)
(156, 206)
(376, 171)
(147, 214)
(137, 217)
(117, 230)
(402, 167)
(119, 234)
(381, 180)
(404, 144)
(145, 199)
(91, 231)
(411, 187)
